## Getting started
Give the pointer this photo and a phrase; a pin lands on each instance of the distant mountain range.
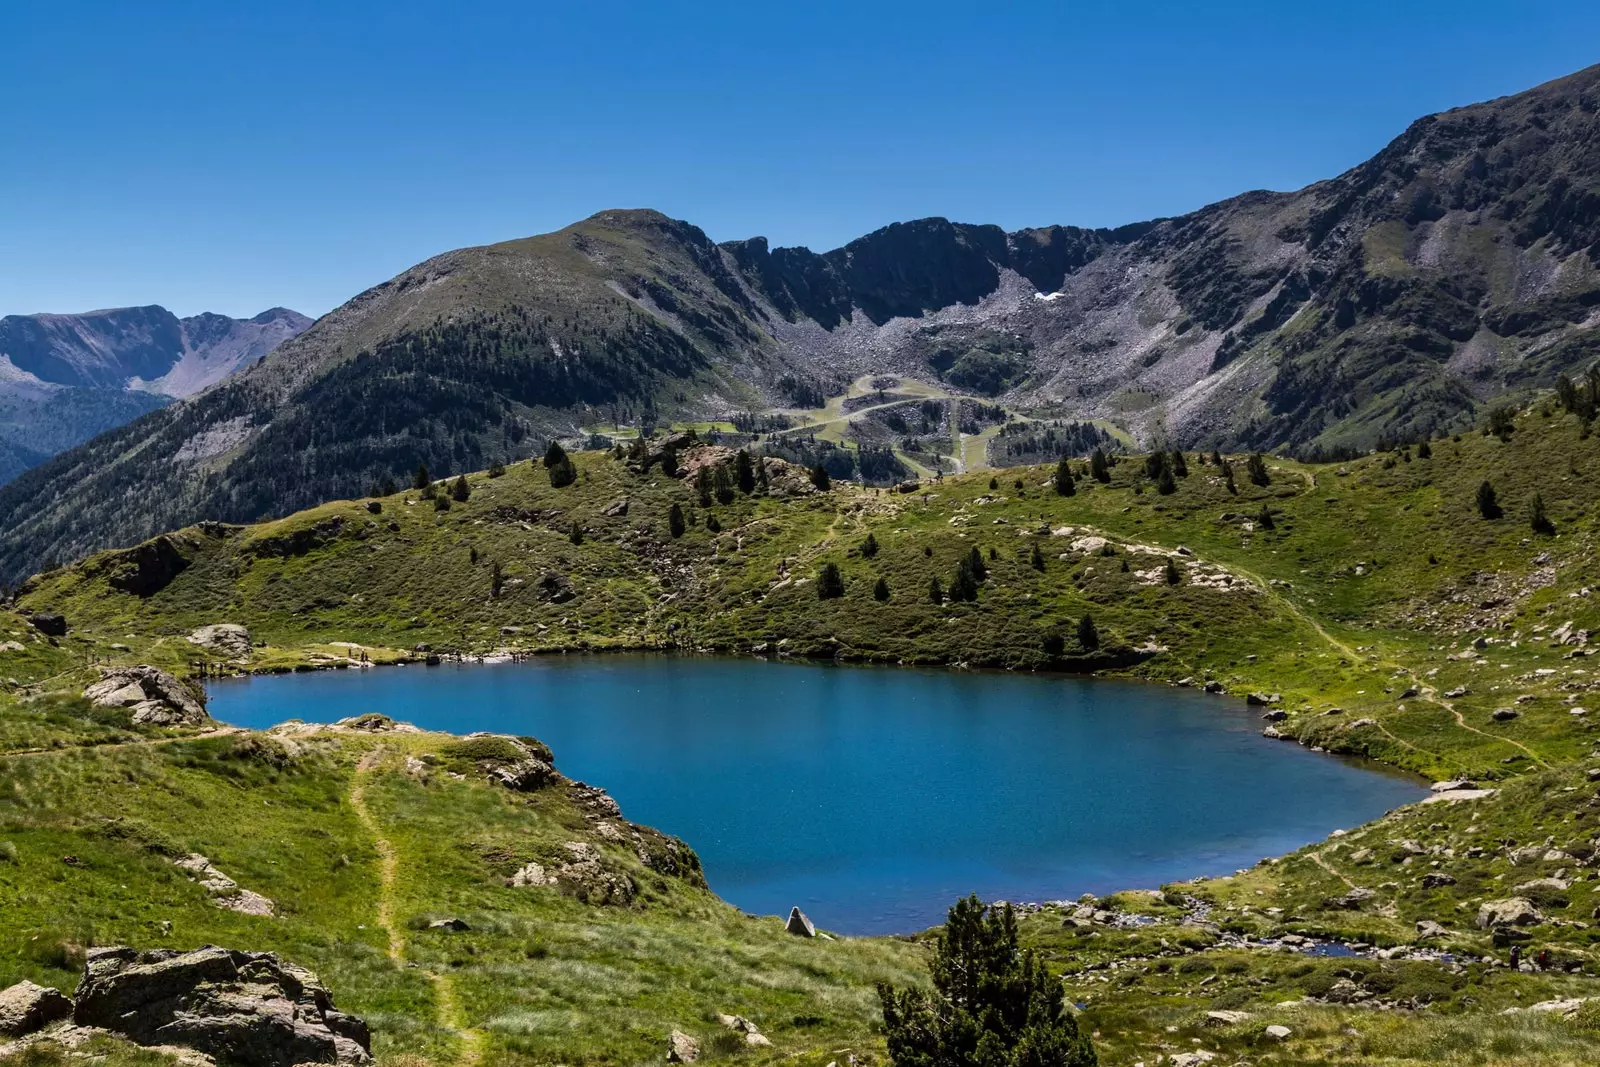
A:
(1393, 301)
(66, 378)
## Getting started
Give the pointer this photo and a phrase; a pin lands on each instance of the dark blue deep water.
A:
(873, 797)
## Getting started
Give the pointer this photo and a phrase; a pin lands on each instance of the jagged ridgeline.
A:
(1387, 304)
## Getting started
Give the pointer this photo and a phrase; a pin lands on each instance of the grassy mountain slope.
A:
(1375, 578)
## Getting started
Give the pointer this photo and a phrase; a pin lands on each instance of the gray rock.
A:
(1278, 1032)
(228, 638)
(25, 1008)
(681, 1048)
(616, 509)
(1506, 714)
(249, 1008)
(1227, 1018)
(1353, 900)
(523, 776)
(1276, 715)
(1428, 929)
(1513, 911)
(155, 697)
(799, 925)
(453, 925)
(1261, 700)
(1437, 879)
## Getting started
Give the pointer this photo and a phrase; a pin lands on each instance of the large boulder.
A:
(799, 925)
(155, 697)
(49, 623)
(1513, 911)
(228, 638)
(25, 1008)
(249, 1008)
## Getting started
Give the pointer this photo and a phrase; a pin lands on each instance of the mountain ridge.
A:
(1391, 302)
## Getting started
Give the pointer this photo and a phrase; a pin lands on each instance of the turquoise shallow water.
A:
(873, 797)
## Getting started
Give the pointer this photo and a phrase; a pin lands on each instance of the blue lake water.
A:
(873, 797)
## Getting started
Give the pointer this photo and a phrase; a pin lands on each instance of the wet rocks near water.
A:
(228, 638)
(799, 925)
(25, 1008)
(1262, 700)
(154, 697)
(248, 1008)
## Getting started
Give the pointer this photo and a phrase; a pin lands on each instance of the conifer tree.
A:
(713, 523)
(1227, 478)
(1165, 485)
(1088, 634)
(1488, 505)
(722, 484)
(1065, 486)
(421, 480)
(1264, 519)
(935, 592)
(497, 579)
(1537, 518)
(675, 524)
(880, 592)
(562, 473)
(830, 583)
(1036, 559)
(1424, 449)
(1171, 572)
(869, 547)
(1256, 467)
(762, 485)
(992, 1004)
(820, 479)
(1099, 469)
(744, 473)
(975, 565)
(441, 502)
(575, 533)
(460, 490)
(555, 454)
(1180, 466)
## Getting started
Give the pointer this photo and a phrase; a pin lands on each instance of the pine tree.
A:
(1165, 485)
(497, 469)
(669, 463)
(1488, 506)
(1216, 458)
(460, 490)
(575, 533)
(869, 547)
(563, 473)
(962, 587)
(1099, 469)
(1256, 467)
(1088, 635)
(1424, 449)
(1036, 559)
(762, 484)
(388, 488)
(992, 1005)
(722, 484)
(994, 483)
(421, 480)
(1227, 478)
(497, 579)
(472, 555)
(830, 583)
(713, 524)
(1065, 486)
(880, 592)
(1171, 572)
(1537, 518)
(935, 592)
(1180, 466)
(975, 565)
(1264, 519)
(441, 502)
(820, 479)
(744, 473)
(675, 523)
(555, 454)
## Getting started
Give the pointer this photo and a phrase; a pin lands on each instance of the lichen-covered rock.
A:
(681, 1048)
(25, 1008)
(155, 697)
(229, 638)
(250, 1008)
(1513, 911)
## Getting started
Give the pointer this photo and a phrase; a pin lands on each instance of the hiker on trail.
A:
(1543, 959)
(1516, 957)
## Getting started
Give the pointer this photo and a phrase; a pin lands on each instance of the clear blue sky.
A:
(229, 157)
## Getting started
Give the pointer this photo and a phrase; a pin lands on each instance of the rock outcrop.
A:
(229, 638)
(25, 1008)
(799, 925)
(49, 623)
(155, 697)
(249, 1008)
(1513, 911)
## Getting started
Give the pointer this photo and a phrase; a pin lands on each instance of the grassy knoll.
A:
(1371, 600)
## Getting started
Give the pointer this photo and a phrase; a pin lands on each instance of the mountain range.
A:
(1457, 265)
(66, 378)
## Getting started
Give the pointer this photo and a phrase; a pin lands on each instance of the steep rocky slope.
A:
(1388, 303)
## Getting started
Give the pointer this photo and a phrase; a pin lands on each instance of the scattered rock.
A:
(1458, 691)
(1192, 1059)
(1506, 714)
(1513, 911)
(453, 925)
(1275, 715)
(225, 892)
(681, 1048)
(1278, 1032)
(1452, 784)
(1261, 700)
(1227, 1018)
(1353, 900)
(1214, 687)
(1436, 880)
(799, 925)
(154, 696)
(25, 1008)
(616, 509)
(252, 1008)
(557, 588)
(229, 638)
(533, 874)
(1427, 929)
